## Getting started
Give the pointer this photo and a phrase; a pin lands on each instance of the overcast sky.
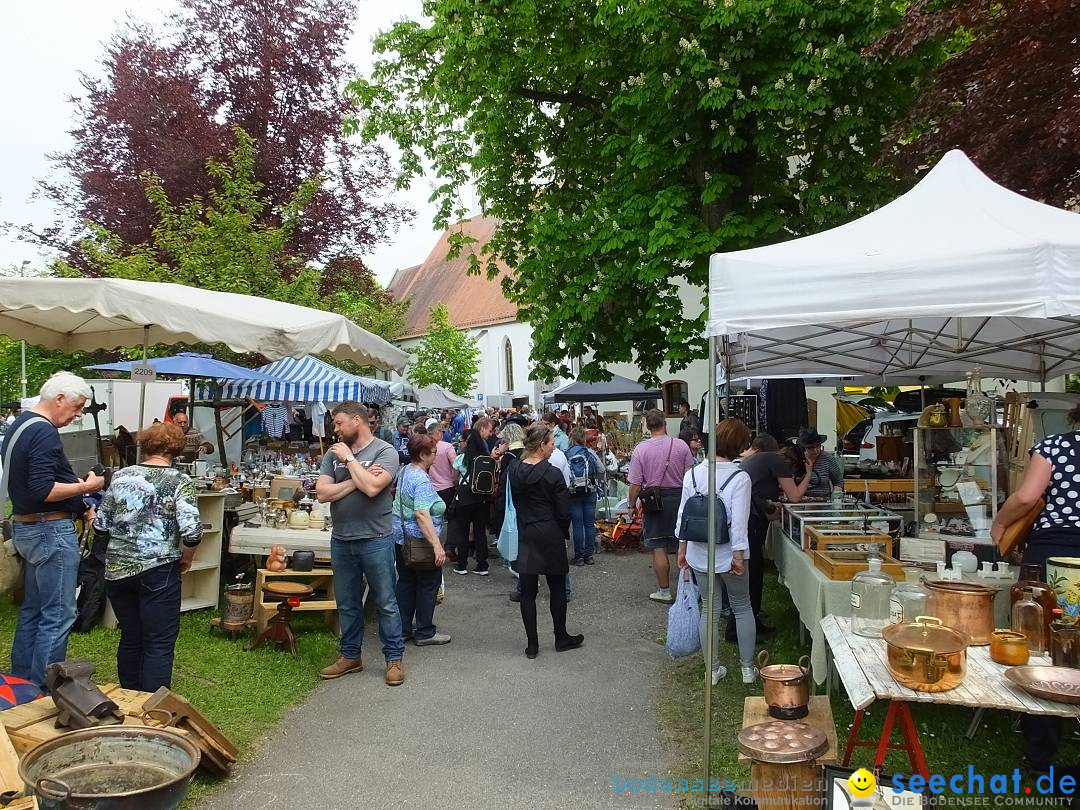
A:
(44, 44)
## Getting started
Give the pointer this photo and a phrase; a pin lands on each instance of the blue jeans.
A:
(583, 525)
(373, 559)
(147, 608)
(416, 592)
(50, 551)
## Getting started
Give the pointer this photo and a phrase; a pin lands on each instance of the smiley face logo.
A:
(862, 783)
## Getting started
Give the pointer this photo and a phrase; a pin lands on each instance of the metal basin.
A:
(112, 768)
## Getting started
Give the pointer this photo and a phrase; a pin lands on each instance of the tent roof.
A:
(309, 379)
(616, 389)
(435, 397)
(958, 272)
(82, 314)
(190, 364)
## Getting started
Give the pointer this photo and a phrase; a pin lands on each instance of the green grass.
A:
(995, 749)
(244, 693)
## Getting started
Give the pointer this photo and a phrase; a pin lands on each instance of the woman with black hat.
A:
(825, 473)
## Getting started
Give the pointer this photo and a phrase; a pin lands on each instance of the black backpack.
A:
(483, 476)
(694, 527)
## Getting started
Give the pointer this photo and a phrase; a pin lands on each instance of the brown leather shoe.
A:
(395, 673)
(342, 666)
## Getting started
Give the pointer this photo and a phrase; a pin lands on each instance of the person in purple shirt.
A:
(659, 463)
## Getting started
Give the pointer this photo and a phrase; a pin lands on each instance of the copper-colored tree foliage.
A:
(165, 99)
(1010, 99)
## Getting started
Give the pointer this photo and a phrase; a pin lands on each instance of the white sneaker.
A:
(662, 595)
(749, 674)
(719, 674)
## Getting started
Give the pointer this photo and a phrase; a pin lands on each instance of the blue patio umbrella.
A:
(192, 365)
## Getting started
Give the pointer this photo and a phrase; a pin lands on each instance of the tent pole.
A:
(710, 619)
(22, 368)
(142, 396)
(217, 423)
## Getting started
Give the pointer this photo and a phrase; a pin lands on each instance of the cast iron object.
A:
(786, 687)
(1059, 684)
(79, 701)
(302, 561)
(924, 655)
(782, 741)
(110, 768)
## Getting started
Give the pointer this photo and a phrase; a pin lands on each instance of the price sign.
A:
(141, 372)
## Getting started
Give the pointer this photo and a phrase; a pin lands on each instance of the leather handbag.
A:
(652, 500)
(416, 552)
(1016, 533)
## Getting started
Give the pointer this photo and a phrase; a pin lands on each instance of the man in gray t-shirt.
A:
(355, 479)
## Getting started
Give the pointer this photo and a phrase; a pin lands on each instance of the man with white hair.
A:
(46, 496)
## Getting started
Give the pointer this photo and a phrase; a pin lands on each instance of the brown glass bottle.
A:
(1041, 593)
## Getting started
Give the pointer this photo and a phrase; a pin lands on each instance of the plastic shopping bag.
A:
(508, 535)
(683, 617)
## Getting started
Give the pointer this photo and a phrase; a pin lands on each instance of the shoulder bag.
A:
(652, 501)
(416, 552)
(694, 527)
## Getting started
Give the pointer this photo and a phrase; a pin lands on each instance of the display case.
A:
(847, 520)
(959, 483)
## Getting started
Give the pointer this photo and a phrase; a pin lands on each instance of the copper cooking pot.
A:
(786, 687)
(925, 656)
(964, 606)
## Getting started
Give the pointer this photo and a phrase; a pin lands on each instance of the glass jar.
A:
(1027, 618)
(1031, 578)
(910, 598)
(871, 592)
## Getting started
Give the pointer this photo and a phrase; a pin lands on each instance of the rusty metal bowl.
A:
(111, 768)
(926, 656)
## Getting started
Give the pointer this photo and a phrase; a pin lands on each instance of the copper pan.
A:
(964, 606)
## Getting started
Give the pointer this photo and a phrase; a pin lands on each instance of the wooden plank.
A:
(756, 710)
(847, 665)
(9, 775)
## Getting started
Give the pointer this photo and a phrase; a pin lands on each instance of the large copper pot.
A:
(925, 656)
(964, 606)
(786, 687)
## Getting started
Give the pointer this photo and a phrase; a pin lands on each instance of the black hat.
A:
(808, 437)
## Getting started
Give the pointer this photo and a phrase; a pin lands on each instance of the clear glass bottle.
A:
(1027, 618)
(871, 591)
(910, 598)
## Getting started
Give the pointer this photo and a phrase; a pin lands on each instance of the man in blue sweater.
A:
(46, 496)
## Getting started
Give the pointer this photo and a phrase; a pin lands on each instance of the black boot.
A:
(568, 642)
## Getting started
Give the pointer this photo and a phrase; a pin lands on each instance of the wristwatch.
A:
(350, 459)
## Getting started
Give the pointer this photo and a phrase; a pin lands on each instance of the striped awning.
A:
(308, 379)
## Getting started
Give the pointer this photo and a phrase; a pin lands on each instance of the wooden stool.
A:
(279, 629)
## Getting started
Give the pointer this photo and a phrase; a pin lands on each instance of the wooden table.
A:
(258, 539)
(860, 663)
(316, 578)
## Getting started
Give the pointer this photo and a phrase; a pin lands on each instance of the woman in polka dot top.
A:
(1052, 473)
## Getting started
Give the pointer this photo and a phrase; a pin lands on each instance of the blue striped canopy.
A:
(307, 380)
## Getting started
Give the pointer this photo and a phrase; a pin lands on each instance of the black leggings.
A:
(530, 585)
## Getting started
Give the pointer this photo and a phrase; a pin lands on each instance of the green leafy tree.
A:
(621, 142)
(447, 356)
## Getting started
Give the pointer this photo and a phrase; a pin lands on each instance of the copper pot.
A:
(1009, 648)
(964, 606)
(786, 687)
(926, 656)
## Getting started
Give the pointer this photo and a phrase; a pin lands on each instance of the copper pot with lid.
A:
(926, 656)
(964, 606)
(786, 687)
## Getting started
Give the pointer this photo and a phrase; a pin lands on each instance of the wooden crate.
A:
(855, 486)
(9, 775)
(817, 537)
(32, 723)
(843, 565)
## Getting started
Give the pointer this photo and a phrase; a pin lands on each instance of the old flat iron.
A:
(79, 701)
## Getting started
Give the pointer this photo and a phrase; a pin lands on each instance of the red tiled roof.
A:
(472, 301)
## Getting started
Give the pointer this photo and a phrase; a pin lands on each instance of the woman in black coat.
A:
(471, 511)
(543, 515)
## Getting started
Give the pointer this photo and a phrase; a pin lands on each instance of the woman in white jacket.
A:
(733, 485)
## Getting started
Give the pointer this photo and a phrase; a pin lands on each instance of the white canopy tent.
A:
(82, 314)
(958, 272)
(435, 397)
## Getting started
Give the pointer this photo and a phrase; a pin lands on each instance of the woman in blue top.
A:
(418, 512)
